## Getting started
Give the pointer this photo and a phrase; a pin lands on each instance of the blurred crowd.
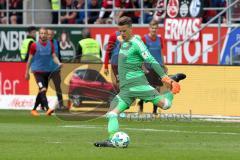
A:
(74, 11)
(209, 14)
(152, 9)
(15, 17)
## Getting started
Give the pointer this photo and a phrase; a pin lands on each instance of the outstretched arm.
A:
(148, 58)
(175, 87)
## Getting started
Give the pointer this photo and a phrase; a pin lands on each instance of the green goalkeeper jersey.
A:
(132, 54)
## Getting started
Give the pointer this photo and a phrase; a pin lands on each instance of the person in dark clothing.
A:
(56, 5)
(56, 72)
(15, 16)
(93, 15)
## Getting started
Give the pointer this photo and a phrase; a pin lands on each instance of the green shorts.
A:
(127, 96)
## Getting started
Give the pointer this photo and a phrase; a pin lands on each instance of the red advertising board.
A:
(204, 51)
(12, 78)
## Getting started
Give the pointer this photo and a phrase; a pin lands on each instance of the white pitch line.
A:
(55, 142)
(181, 131)
(153, 130)
(81, 126)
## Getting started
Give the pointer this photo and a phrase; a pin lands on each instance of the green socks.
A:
(113, 125)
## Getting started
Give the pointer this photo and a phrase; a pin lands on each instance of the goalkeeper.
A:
(132, 80)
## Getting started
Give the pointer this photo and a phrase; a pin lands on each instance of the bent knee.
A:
(165, 104)
(111, 114)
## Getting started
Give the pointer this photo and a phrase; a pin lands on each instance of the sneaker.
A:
(106, 143)
(34, 113)
(49, 112)
(178, 77)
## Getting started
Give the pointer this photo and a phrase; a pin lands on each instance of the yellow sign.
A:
(207, 90)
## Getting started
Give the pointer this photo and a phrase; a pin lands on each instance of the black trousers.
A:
(55, 17)
(56, 78)
(42, 79)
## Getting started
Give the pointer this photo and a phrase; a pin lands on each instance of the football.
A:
(120, 140)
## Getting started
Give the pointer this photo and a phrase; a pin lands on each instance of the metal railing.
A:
(33, 11)
(232, 55)
(217, 17)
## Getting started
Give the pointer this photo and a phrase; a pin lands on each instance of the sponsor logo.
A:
(12, 81)
(173, 8)
(145, 55)
(184, 8)
(11, 40)
(22, 102)
(195, 8)
(180, 29)
(193, 52)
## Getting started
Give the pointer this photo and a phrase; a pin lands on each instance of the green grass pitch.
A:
(50, 138)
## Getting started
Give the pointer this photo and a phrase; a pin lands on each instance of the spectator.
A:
(88, 49)
(81, 14)
(209, 14)
(105, 16)
(93, 15)
(159, 14)
(15, 17)
(55, 7)
(137, 13)
(55, 75)
(221, 4)
(235, 13)
(148, 14)
(3, 18)
(125, 4)
(69, 16)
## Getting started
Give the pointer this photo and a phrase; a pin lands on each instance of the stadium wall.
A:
(203, 51)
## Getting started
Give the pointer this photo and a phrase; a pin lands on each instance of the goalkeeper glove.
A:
(175, 87)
